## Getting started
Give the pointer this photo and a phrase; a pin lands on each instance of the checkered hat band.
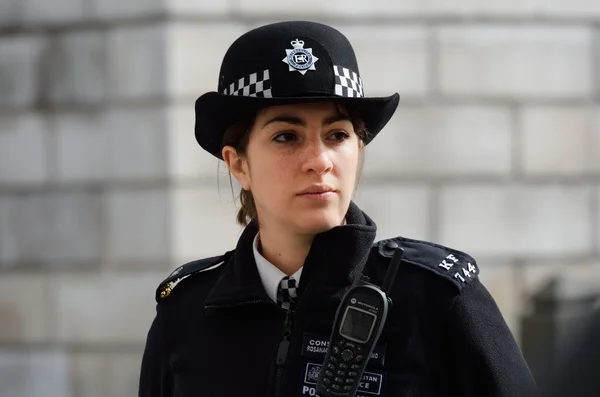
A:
(287, 293)
(347, 83)
(256, 84)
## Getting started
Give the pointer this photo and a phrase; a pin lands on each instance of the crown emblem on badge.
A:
(300, 59)
(297, 43)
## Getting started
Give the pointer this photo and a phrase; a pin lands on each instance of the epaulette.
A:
(189, 269)
(453, 265)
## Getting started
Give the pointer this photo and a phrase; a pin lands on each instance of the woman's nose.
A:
(317, 158)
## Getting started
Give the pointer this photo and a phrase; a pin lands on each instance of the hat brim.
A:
(216, 112)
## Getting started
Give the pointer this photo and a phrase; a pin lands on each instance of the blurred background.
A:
(495, 150)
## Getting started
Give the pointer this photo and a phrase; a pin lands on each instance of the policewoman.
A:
(291, 121)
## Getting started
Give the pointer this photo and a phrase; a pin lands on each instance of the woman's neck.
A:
(285, 250)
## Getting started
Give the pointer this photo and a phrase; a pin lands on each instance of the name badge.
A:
(315, 346)
(371, 383)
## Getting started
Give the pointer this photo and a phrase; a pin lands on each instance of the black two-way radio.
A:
(359, 320)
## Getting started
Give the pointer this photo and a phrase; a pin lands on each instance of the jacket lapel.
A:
(335, 261)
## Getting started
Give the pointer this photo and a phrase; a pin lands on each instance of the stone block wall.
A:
(495, 150)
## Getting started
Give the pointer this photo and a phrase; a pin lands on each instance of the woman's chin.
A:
(319, 223)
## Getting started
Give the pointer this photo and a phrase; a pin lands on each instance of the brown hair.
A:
(238, 137)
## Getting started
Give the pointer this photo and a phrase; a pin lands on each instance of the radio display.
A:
(357, 324)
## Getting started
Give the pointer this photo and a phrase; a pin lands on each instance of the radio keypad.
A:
(343, 352)
(347, 355)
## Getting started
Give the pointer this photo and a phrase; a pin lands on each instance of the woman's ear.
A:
(237, 166)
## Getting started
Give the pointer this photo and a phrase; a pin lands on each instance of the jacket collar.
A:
(336, 260)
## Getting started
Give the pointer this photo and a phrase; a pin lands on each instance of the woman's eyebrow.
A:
(335, 118)
(295, 120)
(286, 119)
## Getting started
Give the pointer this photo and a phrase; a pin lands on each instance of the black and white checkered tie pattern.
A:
(287, 293)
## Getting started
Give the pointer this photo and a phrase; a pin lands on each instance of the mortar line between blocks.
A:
(433, 64)
(595, 221)
(434, 211)
(517, 136)
(595, 62)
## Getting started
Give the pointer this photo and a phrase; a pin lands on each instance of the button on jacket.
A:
(217, 333)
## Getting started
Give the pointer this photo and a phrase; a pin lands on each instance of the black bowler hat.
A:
(286, 63)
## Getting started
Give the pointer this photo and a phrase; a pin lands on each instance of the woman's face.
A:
(301, 166)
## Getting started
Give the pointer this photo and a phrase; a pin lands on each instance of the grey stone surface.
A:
(400, 61)
(105, 374)
(82, 147)
(202, 222)
(138, 225)
(594, 149)
(23, 309)
(474, 7)
(446, 140)
(186, 159)
(596, 225)
(513, 8)
(557, 140)
(116, 144)
(115, 9)
(137, 61)
(517, 221)
(194, 56)
(137, 143)
(204, 8)
(75, 71)
(37, 12)
(23, 154)
(34, 373)
(7, 237)
(516, 62)
(55, 230)
(316, 8)
(11, 12)
(412, 8)
(577, 8)
(20, 59)
(97, 309)
(397, 210)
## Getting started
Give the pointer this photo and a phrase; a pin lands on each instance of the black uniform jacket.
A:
(217, 333)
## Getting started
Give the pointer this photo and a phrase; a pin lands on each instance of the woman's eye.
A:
(340, 135)
(285, 137)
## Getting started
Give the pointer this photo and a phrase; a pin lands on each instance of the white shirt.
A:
(269, 274)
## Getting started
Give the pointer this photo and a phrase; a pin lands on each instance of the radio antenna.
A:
(390, 276)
